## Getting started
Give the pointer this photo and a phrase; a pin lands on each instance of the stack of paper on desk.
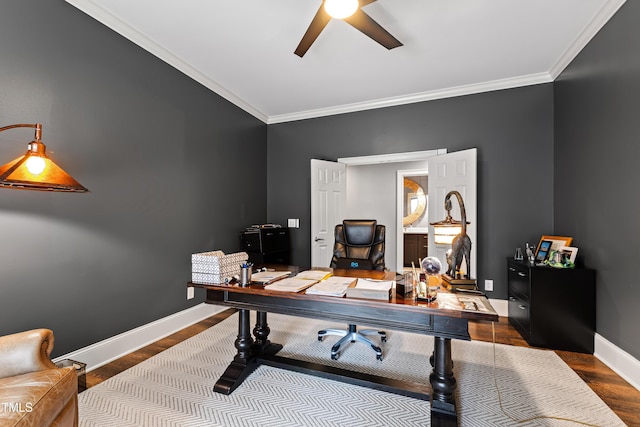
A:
(265, 277)
(334, 286)
(316, 275)
(466, 302)
(371, 289)
(290, 284)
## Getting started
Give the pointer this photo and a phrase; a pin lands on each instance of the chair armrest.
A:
(26, 352)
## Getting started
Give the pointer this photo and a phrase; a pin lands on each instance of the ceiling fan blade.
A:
(363, 22)
(318, 23)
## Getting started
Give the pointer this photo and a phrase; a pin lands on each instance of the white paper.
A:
(290, 284)
(453, 301)
(448, 301)
(313, 274)
(478, 303)
(332, 286)
(268, 276)
(377, 285)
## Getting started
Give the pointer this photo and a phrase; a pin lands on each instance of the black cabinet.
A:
(415, 248)
(267, 245)
(553, 307)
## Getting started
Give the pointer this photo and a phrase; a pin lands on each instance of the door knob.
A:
(317, 239)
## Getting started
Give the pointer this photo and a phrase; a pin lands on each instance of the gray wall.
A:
(512, 129)
(160, 154)
(597, 110)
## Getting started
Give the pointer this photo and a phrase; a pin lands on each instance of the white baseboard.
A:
(501, 306)
(621, 362)
(108, 350)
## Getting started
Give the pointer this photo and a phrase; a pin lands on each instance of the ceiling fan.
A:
(358, 19)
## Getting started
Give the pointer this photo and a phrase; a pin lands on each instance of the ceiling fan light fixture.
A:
(341, 9)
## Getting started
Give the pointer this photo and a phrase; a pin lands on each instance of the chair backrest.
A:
(359, 243)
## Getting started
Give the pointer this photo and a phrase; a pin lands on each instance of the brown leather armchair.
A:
(33, 390)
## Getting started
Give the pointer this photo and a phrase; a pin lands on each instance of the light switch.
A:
(293, 223)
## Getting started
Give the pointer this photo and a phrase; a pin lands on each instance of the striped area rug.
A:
(174, 388)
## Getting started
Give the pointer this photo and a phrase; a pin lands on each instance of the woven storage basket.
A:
(215, 266)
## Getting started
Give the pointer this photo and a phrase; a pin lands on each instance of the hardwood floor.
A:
(619, 395)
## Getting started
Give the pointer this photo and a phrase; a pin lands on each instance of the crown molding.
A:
(593, 27)
(106, 18)
(375, 159)
(509, 83)
(109, 20)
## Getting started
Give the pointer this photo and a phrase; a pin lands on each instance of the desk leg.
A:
(262, 345)
(243, 363)
(443, 385)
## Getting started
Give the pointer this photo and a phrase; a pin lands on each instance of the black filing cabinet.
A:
(551, 307)
(267, 245)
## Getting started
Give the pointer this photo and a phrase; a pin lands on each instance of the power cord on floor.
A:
(537, 417)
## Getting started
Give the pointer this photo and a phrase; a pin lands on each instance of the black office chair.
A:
(359, 244)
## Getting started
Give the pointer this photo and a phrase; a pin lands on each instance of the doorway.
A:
(370, 187)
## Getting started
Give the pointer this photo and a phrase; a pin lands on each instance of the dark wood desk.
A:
(400, 314)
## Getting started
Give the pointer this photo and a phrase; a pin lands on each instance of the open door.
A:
(453, 171)
(328, 197)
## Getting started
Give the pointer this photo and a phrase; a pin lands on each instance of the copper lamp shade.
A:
(35, 171)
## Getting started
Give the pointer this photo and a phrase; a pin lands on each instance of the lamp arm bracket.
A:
(463, 211)
(36, 126)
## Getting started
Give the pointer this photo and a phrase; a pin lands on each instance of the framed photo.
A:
(569, 251)
(543, 249)
(556, 242)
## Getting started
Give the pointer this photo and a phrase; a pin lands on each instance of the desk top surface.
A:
(444, 305)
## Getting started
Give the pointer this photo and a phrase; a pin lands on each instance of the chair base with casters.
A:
(353, 335)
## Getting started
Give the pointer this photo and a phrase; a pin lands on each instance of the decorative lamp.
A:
(453, 232)
(445, 231)
(34, 170)
(341, 9)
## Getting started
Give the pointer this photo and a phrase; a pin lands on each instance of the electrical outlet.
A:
(190, 292)
(488, 285)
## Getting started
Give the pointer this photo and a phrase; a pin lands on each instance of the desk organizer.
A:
(215, 266)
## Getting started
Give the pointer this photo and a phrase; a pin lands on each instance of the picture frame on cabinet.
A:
(556, 242)
(569, 251)
(543, 250)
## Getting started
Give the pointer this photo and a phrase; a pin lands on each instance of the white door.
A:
(447, 172)
(328, 196)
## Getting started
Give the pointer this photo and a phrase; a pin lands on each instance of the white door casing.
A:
(447, 172)
(400, 176)
(329, 207)
(328, 197)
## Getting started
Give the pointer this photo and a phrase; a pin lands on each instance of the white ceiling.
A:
(243, 49)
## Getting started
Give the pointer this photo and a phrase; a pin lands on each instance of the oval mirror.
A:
(415, 202)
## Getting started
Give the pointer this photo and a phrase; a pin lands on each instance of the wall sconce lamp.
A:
(450, 231)
(34, 170)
